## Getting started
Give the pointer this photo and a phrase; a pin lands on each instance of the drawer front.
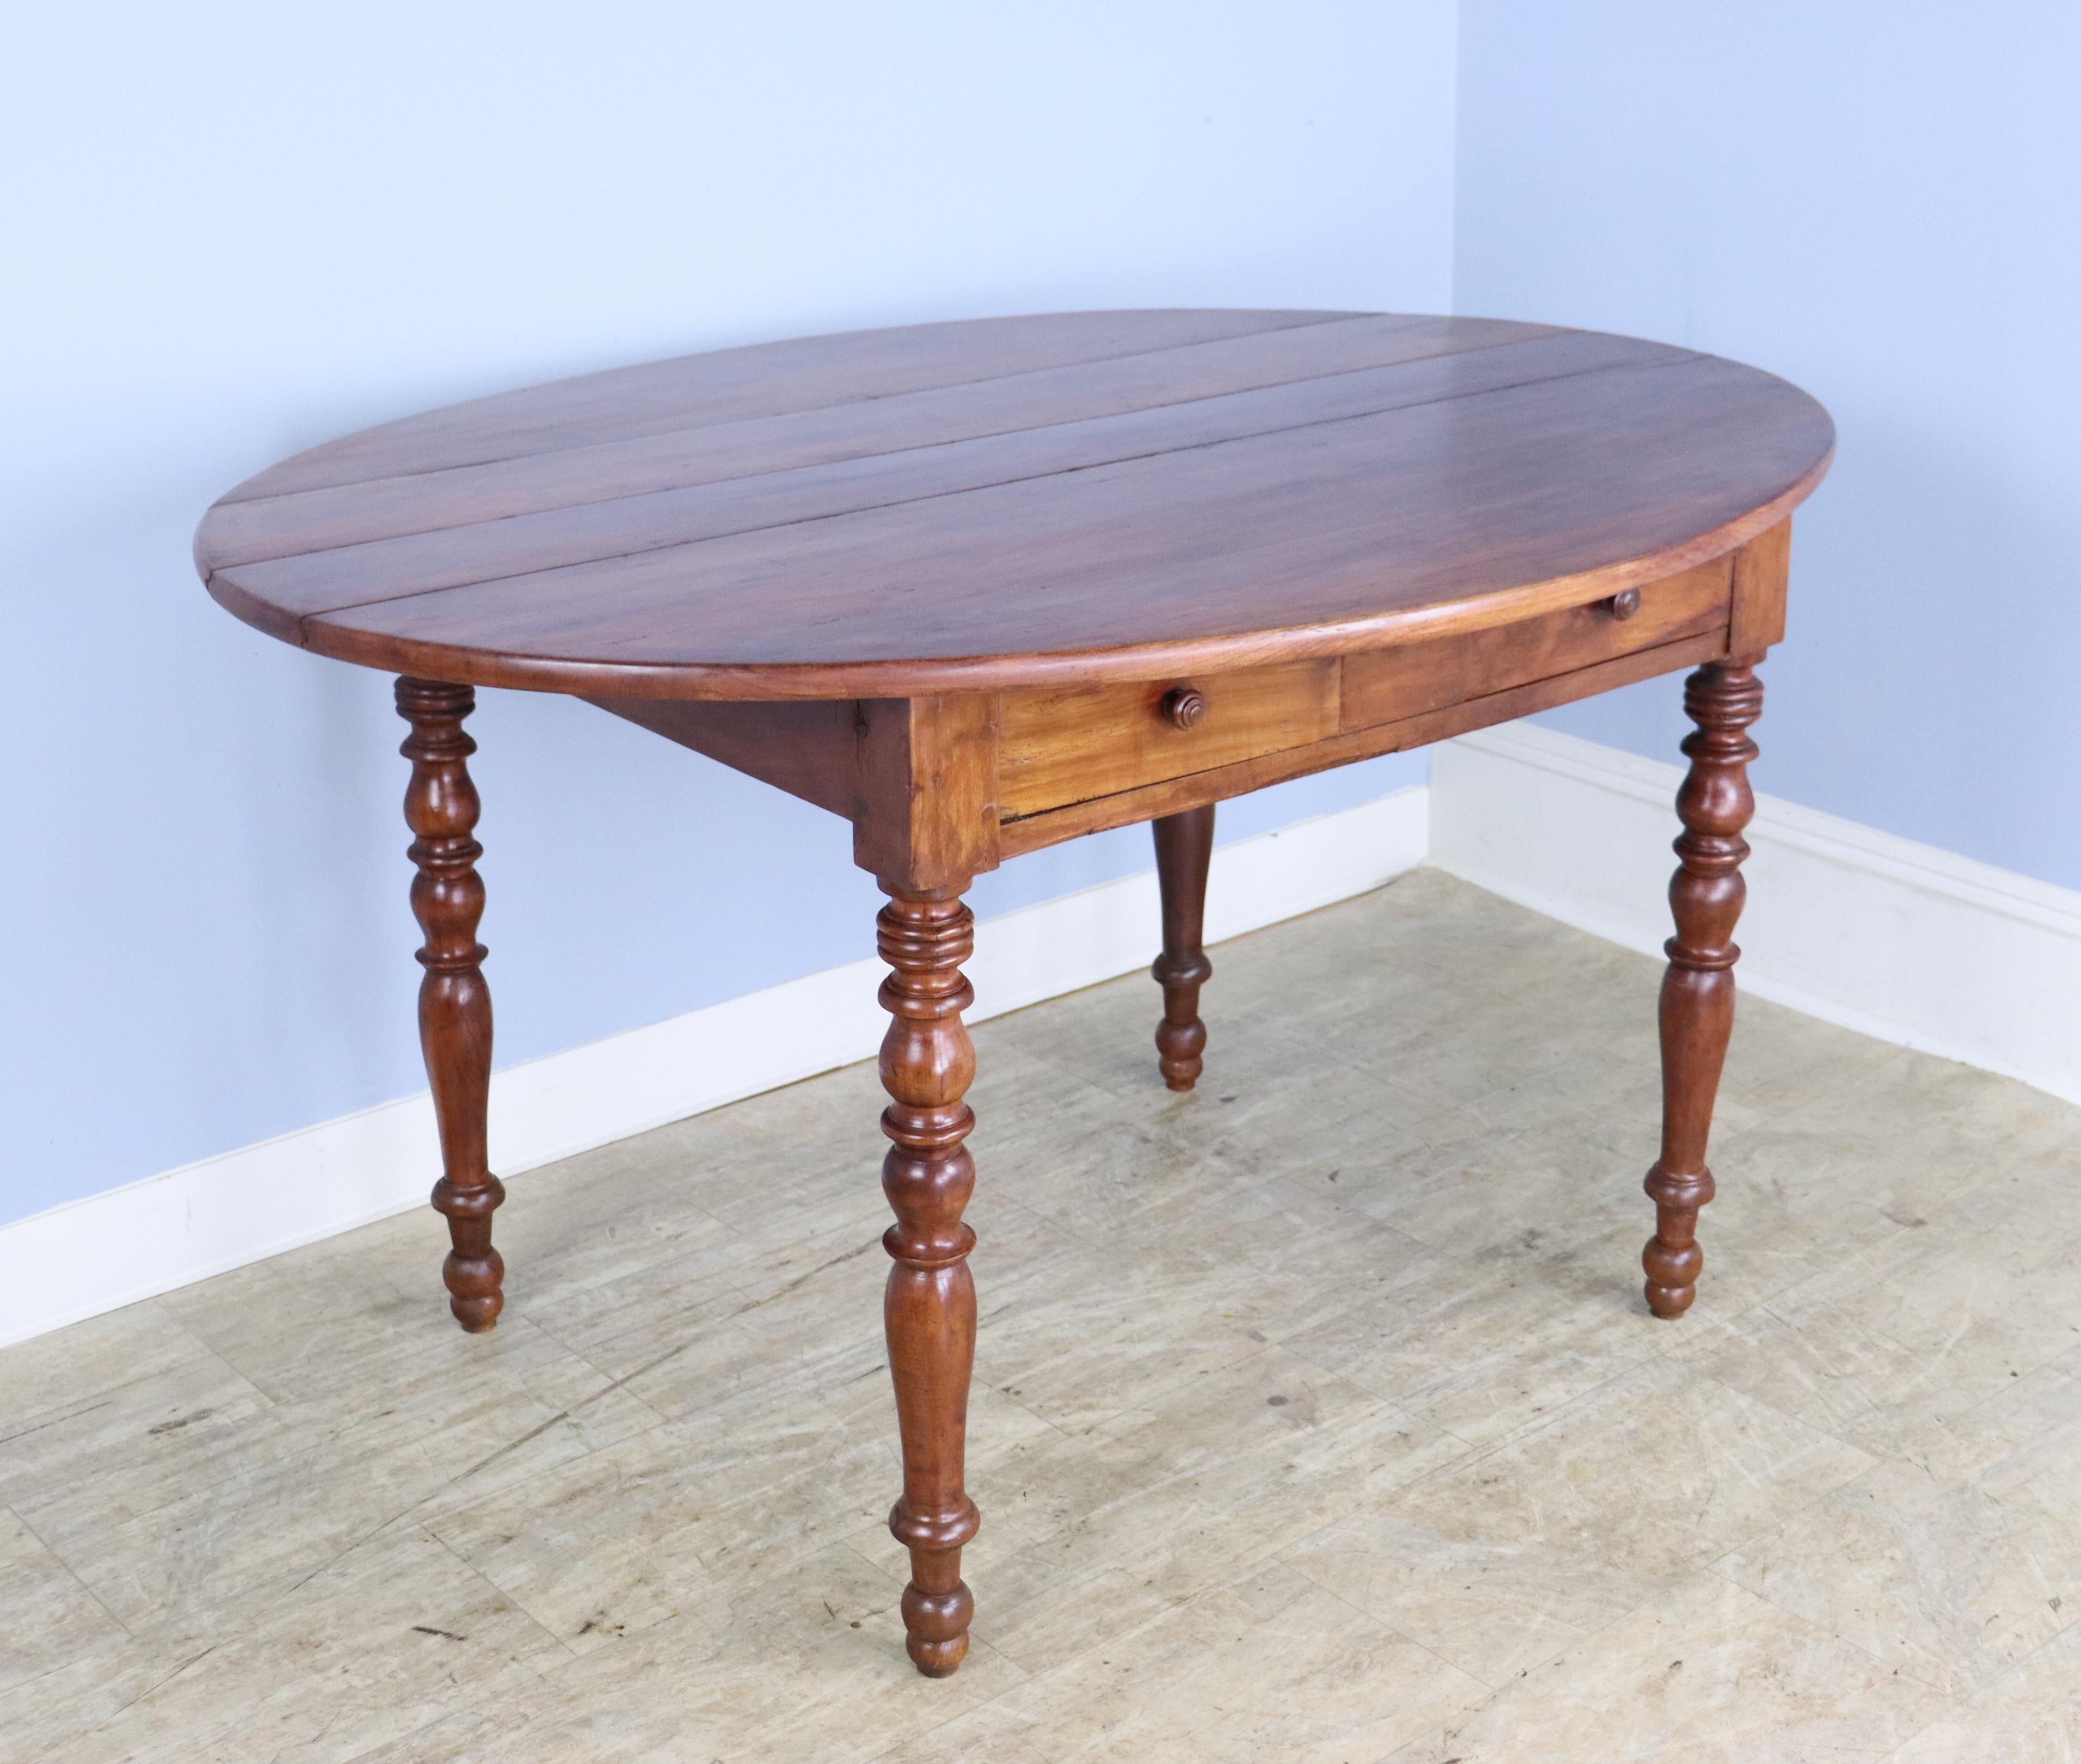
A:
(1386, 685)
(1060, 747)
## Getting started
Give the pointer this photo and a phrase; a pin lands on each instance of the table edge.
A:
(923, 678)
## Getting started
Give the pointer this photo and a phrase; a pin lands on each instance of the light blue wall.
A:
(1883, 203)
(229, 231)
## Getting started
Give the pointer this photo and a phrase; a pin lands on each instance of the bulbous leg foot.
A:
(455, 1005)
(1698, 1012)
(929, 1309)
(1184, 845)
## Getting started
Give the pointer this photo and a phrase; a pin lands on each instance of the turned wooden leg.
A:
(929, 1308)
(1184, 842)
(1723, 698)
(455, 1006)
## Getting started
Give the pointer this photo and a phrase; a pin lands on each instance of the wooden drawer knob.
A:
(1625, 604)
(1184, 708)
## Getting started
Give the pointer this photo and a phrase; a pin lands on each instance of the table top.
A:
(1076, 496)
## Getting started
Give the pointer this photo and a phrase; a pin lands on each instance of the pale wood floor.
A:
(1317, 1416)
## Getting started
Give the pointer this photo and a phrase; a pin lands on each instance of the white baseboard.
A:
(1901, 941)
(150, 1236)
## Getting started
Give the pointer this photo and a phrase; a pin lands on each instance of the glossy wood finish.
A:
(1761, 572)
(1184, 845)
(982, 587)
(455, 1005)
(1126, 807)
(929, 1307)
(1697, 1014)
(1086, 497)
(1069, 743)
(1385, 685)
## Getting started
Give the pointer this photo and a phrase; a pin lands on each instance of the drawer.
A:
(1386, 685)
(1057, 747)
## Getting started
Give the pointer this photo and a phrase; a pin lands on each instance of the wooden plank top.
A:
(1075, 497)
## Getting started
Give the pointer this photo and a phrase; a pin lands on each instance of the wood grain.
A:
(455, 1005)
(808, 748)
(1035, 832)
(404, 535)
(917, 777)
(983, 586)
(1386, 685)
(1761, 570)
(1013, 506)
(929, 1307)
(1069, 743)
(1184, 847)
(1319, 540)
(925, 817)
(1057, 764)
(759, 380)
(1697, 1009)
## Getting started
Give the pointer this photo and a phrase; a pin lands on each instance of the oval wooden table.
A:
(981, 587)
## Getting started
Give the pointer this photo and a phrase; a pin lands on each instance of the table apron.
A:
(1074, 760)
(1171, 795)
(941, 789)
